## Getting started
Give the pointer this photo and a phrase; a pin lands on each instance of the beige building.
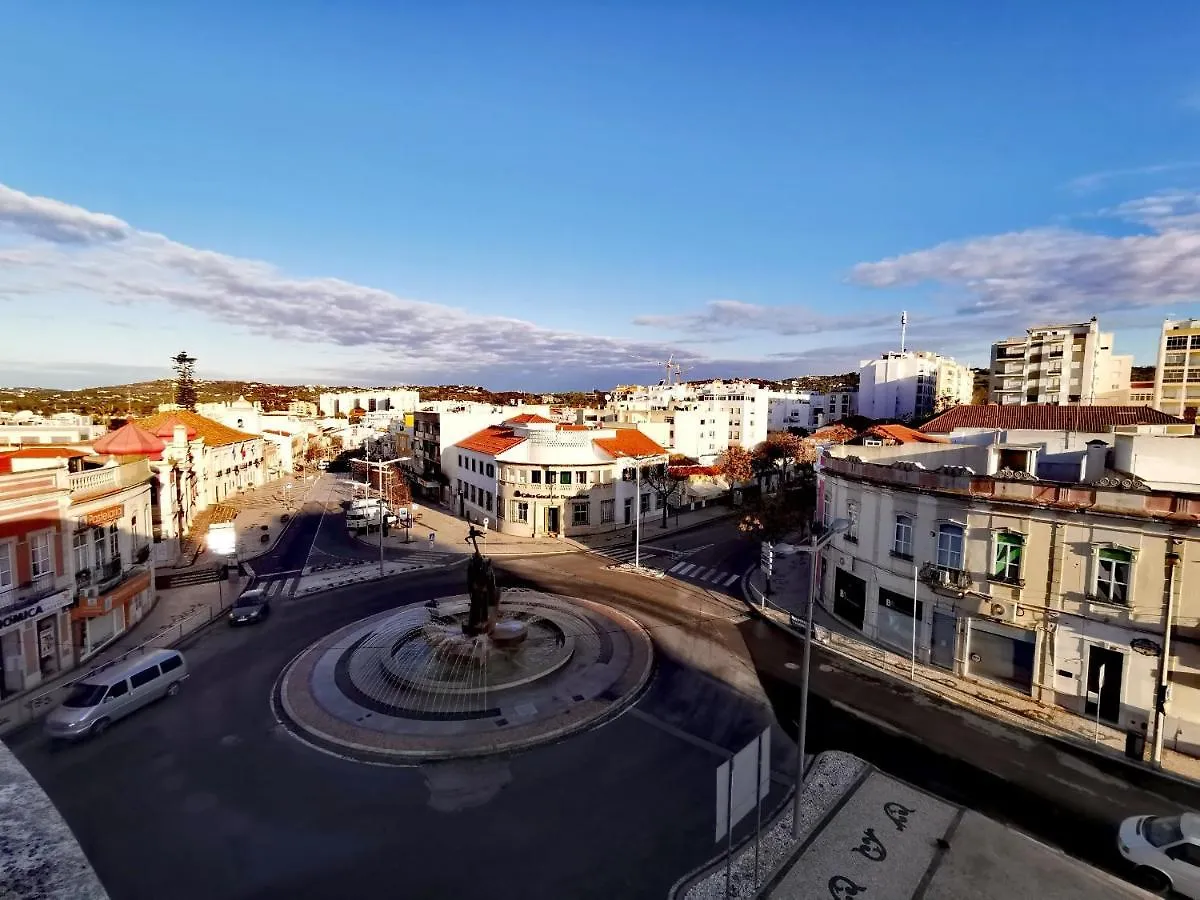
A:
(1061, 364)
(1039, 584)
(1177, 374)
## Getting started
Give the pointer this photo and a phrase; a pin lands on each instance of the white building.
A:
(1064, 364)
(436, 428)
(911, 384)
(1177, 374)
(1036, 577)
(534, 477)
(399, 400)
(36, 430)
(809, 409)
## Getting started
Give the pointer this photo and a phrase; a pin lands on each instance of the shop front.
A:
(32, 645)
(1001, 653)
(894, 620)
(105, 617)
(849, 598)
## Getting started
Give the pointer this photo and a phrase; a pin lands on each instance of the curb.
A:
(1071, 741)
(662, 534)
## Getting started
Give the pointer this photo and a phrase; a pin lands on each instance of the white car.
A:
(1166, 851)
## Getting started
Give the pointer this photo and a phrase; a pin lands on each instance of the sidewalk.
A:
(652, 529)
(269, 510)
(786, 608)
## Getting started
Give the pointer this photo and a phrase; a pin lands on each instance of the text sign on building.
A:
(101, 517)
(12, 621)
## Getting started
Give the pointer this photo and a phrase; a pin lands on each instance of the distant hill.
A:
(820, 383)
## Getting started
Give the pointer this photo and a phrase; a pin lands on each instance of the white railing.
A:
(110, 478)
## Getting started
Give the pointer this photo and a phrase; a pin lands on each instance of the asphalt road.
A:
(204, 795)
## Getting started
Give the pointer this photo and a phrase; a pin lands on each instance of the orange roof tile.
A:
(214, 433)
(1046, 417)
(44, 453)
(528, 419)
(492, 440)
(629, 442)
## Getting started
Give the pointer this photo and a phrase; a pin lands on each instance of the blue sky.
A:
(551, 195)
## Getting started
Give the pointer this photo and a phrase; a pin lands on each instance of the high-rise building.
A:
(1177, 374)
(908, 384)
(1062, 364)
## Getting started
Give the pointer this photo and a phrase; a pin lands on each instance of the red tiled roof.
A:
(629, 442)
(528, 419)
(902, 434)
(837, 433)
(130, 440)
(688, 471)
(492, 440)
(1047, 417)
(43, 453)
(214, 433)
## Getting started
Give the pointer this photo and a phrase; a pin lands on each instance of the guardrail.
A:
(22, 710)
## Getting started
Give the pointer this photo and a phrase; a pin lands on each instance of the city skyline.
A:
(562, 201)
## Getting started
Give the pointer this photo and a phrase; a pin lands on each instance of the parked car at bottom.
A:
(99, 699)
(252, 606)
(1166, 851)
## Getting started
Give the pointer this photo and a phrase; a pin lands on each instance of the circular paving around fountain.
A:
(381, 690)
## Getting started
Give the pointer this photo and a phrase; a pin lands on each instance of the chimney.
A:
(1095, 463)
(179, 437)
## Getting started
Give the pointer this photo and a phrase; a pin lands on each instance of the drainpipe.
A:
(1161, 687)
(1052, 594)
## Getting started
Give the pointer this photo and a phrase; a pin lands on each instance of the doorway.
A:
(945, 633)
(1113, 663)
(552, 519)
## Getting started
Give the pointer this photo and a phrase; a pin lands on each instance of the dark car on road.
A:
(252, 606)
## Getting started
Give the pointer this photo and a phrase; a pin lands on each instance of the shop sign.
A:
(14, 620)
(105, 516)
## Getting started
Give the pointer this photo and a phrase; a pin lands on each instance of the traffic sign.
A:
(431, 537)
(485, 523)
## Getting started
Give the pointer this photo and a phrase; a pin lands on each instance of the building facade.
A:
(1177, 373)
(534, 477)
(1062, 364)
(911, 384)
(398, 400)
(1039, 585)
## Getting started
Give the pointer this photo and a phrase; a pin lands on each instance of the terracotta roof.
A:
(688, 471)
(214, 433)
(492, 440)
(837, 433)
(1047, 417)
(629, 442)
(130, 440)
(528, 419)
(902, 434)
(43, 453)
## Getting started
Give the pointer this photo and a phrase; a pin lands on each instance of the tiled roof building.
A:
(1047, 417)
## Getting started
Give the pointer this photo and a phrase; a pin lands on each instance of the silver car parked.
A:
(99, 699)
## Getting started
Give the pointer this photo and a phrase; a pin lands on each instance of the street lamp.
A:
(837, 527)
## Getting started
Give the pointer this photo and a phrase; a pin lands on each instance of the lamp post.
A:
(814, 547)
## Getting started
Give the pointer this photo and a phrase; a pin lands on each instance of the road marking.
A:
(707, 576)
(676, 567)
(731, 579)
(688, 569)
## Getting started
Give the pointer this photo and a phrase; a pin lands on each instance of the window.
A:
(1196, 341)
(120, 689)
(474, 468)
(98, 556)
(645, 503)
(114, 541)
(1006, 560)
(171, 663)
(580, 513)
(827, 512)
(460, 488)
(520, 511)
(950, 547)
(1177, 343)
(581, 477)
(521, 476)
(564, 477)
(902, 537)
(460, 460)
(1188, 853)
(137, 679)
(536, 476)
(550, 476)
(491, 471)
(851, 533)
(6, 566)
(79, 545)
(608, 510)
(39, 555)
(488, 502)
(472, 493)
(1112, 574)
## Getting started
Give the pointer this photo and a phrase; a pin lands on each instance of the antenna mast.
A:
(903, 328)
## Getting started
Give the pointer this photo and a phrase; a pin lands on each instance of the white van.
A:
(99, 699)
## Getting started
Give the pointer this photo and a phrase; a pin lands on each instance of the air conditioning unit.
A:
(1004, 610)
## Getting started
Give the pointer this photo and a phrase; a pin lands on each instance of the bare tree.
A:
(772, 518)
(667, 486)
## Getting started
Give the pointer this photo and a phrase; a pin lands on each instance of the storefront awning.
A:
(704, 491)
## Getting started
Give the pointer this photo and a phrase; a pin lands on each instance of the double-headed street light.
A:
(814, 547)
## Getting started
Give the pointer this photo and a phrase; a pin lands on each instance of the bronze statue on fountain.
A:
(483, 615)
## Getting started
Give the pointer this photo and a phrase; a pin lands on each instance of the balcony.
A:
(30, 592)
(944, 577)
(94, 482)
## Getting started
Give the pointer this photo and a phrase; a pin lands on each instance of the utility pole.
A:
(637, 523)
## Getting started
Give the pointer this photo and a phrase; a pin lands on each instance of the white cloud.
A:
(721, 317)
(1060, 273)
(1094, 180)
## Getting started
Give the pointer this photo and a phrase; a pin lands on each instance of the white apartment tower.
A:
(1067, 364)
(1177, 373)
(911, 384)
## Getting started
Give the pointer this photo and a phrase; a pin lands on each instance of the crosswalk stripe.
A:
(689, 569)
(707, 576)
(730, 580)
(676, 567)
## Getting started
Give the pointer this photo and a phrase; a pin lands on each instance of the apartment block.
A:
(1060, 364)
(1177, 374)
(908, 384)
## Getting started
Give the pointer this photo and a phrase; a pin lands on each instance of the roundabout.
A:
(423, 683)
